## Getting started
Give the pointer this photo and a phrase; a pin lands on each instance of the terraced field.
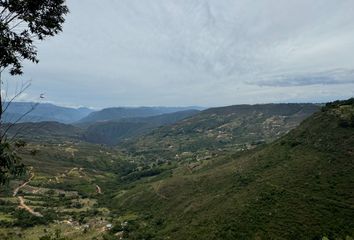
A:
(57, 197)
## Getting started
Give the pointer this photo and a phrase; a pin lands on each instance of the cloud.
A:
(332, 77)
(187, 52)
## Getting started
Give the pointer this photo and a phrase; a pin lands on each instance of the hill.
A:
(44, 112)
(44, 131)
(214, 129)
(298, 187)
(112, 132)
(118, 113)
(109, 133)
(57, 199)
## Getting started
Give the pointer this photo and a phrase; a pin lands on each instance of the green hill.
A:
(113, 132)
(222, 129)
(110, 132)
(118, 113)
(298, 187)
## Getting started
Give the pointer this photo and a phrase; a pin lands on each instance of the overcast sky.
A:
(197, 52)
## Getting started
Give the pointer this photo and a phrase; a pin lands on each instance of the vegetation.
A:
(109, 133)
(236, 172)
(298, 187)
(215, 130)
(21, 23)
(266, 192)
(10, 165)
(113, 132)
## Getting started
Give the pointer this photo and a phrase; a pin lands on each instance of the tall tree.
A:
(22, 23)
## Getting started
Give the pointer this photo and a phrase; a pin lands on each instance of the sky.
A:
(197, 52)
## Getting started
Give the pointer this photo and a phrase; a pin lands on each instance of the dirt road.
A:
(22, 204)
(27, 208)
(22, 185)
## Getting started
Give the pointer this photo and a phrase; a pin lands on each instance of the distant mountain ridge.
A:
(118, 113)
(243, 126)
(112, 132)
(47, 112)
(109, 133)
(44, 112)
(182, 131)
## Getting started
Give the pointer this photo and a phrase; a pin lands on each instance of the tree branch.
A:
(18, 120)
(23, 88)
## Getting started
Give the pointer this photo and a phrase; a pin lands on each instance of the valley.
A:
(176, 120)
(240, 172)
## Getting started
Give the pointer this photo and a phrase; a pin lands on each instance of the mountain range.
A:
(43, 112)
(118, 113)
(240, 126)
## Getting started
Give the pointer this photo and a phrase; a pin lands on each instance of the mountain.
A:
(169, 134)
(44, 112)
(115, 114)
(239, 126)
(112, 132)
(109, 133)
(298, 187)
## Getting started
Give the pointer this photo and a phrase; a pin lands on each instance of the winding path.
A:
(27, 208)
(22, 204)
(22, 185)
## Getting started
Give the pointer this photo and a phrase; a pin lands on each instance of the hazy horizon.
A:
(166, 106)
(197, 53)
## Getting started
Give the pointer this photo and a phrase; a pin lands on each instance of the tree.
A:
(22, 22)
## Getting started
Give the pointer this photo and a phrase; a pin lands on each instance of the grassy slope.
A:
(299, 187)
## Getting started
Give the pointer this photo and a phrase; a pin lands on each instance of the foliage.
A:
(231, 128)
(10, 165)
(21, 22)
(297, 187)
(25, 219)
(267, 193)
(54, 236)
